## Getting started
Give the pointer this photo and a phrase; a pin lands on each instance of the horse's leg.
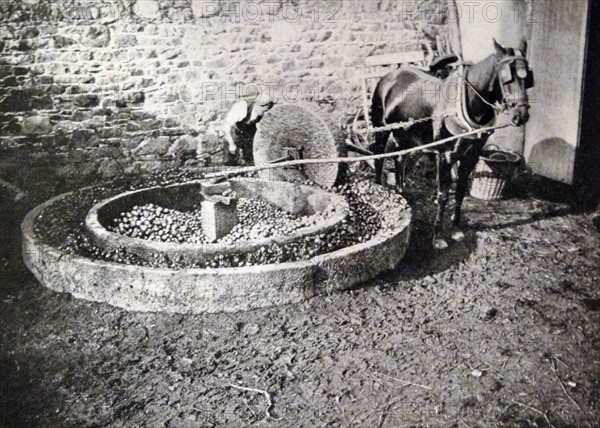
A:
(466, 166)
(378, 147)
(399, 172)
(393, 145)
(444, 180)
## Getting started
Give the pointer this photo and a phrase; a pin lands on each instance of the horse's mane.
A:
(481, 73)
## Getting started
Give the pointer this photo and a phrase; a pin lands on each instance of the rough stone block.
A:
(20, 71)
(71, 57)
(15, 101)
(136, 97)
(102, 111)
(211, 142)
(81, 136)
(55, 68)
(109, 168)
(5, 71)
(185, 146)
(134, 28)
(170, 122)
(37, 69)
(219, 216)
(218, 189)
(140, 114)
(63, 42)
(111, 132)
(153, 146)
(13, 126)
(42, 103)
(124, 40)
(25, 45)
(81, 115)
(36, 125)
(75, 89)
(29, 32)
(65, 79)
(150, 124)
(133, 127)
(102, 55)
(86, 100)
(94, 123)
(9, 81)
(67, 126)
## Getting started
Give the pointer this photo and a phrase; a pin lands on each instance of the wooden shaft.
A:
(281, 159)
(453, 21)
(356, 149)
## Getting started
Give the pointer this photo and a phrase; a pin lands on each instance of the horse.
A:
(469, 98)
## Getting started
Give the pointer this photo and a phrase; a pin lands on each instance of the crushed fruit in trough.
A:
(158, 223)
(257, 219)
(373, 212)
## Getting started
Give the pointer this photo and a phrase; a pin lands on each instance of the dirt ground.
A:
(500, 329)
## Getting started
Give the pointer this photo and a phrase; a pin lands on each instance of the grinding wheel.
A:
(301, 126)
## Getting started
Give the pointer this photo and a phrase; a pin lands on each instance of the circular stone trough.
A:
(194, 290)
(293, 198)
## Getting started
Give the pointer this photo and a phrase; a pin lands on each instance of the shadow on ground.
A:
(498, 330)
(529, 199)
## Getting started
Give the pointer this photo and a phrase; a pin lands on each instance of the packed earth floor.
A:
(500, 329)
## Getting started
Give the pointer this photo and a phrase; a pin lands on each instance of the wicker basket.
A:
(493, 172)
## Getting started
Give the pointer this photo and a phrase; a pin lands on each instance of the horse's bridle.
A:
(506, 76)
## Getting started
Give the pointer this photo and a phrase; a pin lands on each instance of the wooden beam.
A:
(395, 58)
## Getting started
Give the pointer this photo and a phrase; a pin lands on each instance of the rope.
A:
(392, 126)
(493, 106)
(407, 124)
(411, 122)
(298, 162)
(403, 125)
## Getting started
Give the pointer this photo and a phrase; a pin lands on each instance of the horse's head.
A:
(512, 79)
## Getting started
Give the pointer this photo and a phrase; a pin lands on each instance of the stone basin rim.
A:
(112, 240)
(210, 290)
(27, 229)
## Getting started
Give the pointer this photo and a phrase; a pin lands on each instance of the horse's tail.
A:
(377, 108)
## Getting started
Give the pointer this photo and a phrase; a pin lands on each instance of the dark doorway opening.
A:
(587, 161)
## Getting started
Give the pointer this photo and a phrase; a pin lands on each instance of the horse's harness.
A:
(505, 75)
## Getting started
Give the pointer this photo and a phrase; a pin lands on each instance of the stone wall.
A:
(108, 87)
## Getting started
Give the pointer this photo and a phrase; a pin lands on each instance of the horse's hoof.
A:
(461, 222)
(440, 244)
(458, 236)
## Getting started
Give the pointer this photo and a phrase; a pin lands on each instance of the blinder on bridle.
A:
(514, 69)
(521, 70)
